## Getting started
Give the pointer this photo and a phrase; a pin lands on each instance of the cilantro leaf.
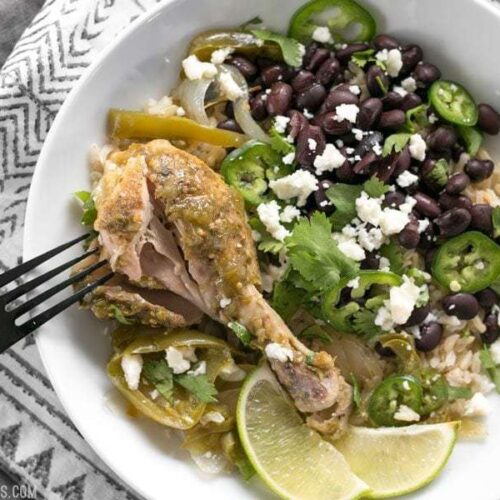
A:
(279, 143)
(89, 211)
(269, 245)
(396, 143)
(158, 373)
(495, 216)
(287, 298)
(394, 253)
(438, 176)
(292, 50)
(490, 366)
(343, 196)
(416, 118)
(364, 323)
(199, 386)
(315, 332)
(363, 57)
(119, 316)
(375, 188)
(314, 254)
(240, 331)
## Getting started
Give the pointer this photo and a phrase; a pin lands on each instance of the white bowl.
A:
(461, 36)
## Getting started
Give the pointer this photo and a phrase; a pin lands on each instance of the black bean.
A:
(328, 122)
(230, 124)
(279, 99)
(457, 183)
(328, 71)
(448, 201)
(264, 62)
(409, 237)
(338, 96)
(492, 329)
(385, 352)
(345, 172)
(430, 336)
(274, 73)
(428, 238)
(304, 155)
(247, 68)
(429, 257)
(427, 206)
(376, 81)
(297, 122)
(317, 58)
(489, 119)
(370, 111)
(384, 41)
(453, 222)
(461, 305)
(411, 56)
(426, 73)
(362, 165)
(392, 100)
(311, 98)
(479, 170)
(368, 143)
(343, 55)
(384, 167)
(322, 201)
(442, 139)
(487, 298)
(302, 80)
(482, 219)
(403, 162)
(392, 120)
(410, 101)
(393, 199)
(418, 315)
(371, 261)
(258, 106)
(457, 152)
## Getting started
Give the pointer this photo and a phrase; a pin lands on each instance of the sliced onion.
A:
(192, 94)
(241, 108)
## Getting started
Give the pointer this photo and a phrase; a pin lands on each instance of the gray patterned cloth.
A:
(39, 446)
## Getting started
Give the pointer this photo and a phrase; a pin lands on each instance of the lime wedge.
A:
(294, 461)
(397, 460)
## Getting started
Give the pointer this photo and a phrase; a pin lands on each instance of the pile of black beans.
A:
(309, 96)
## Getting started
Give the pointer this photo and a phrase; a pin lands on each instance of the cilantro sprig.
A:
(292, 50)
(89, 211)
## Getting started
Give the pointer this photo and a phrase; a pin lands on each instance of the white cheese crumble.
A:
(347, 112)
(369, 209)
(329, 160)
(423, 224)
(308, 114)
(406, 179)
(298, 185)
(289, 213)
(409, 84)
(477, 406)
(399, 90)
(132, 367)
(279, 352)
(394, 62)
(220, 55)
(289, 158)
(322, 34)
(269, 214)
(229, 87)
(354, 283)
(201, 369)
(232, 373)
(176, 361)
(417, 147)
(370, 239)
(406, 414)
(355, 89)
(224, 302)
(280, 123)
(212, 416)
(384, 264)
(312, 144)
(349, 247)
(196, 70)
(398, 308)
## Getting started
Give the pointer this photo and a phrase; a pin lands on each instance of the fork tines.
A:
(9, 331)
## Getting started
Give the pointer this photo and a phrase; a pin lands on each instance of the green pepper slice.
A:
(389, 395)
(347, 20)
(472, 137)
(241, 41)
(247, 169)
(186, 410)
(471, 259)
(453, 103)
(434, 391)
(341, 318)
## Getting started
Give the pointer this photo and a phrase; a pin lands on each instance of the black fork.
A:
(10, 332)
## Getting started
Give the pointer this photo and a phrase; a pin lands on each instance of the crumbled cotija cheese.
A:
(212, 416)
(132, 367)
(229, 87)
(322, 34)
(269, 214)
(289, 213)
(406, 179)
(406, 414)
(220, 55)
(347, 112)
(279, 352)
(196, 69)
(281, 123)
(298, 185)
(176, 361)
(417, 147)
(329, 160)
(409, 84)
